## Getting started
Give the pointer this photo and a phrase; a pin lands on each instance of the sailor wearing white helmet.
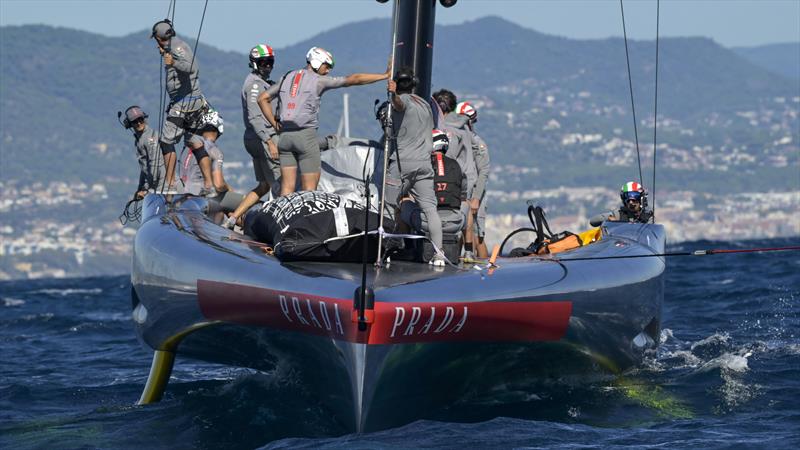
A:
(480, 156)
(299, 93)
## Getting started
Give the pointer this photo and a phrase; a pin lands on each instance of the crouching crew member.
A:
(186, 103)
(151, 164)
(450, 185)
(260, 138)
(633, 208)
(211, 129)
(480, 155)
(412, 123)
(299, 93)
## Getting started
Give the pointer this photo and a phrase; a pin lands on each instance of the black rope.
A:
(630, 86)
(655, 120)
(132, 212)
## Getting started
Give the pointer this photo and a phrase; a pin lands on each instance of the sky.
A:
(238, 24)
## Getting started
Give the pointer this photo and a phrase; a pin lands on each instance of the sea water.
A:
(727, 374)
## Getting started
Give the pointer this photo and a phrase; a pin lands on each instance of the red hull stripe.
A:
(393, 323)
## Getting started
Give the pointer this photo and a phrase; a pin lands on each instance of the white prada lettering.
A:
(323, 312)
(416, 312)
(428, 324)
(338, 319)
(399, 315)
(448, 317)
(312, 315)
(448, 322)
(285, 307)
(298, 313)
(315, 314)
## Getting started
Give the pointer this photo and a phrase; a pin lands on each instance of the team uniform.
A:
(183, 87)
(190, 174)
(151, 163)
(410, 170)
(455, 125)
(450, 186)
(481, 157)
(257, 131)
(299, 94)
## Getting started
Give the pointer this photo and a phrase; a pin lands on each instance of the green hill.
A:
(58, 105)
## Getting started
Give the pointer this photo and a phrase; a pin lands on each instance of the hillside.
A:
(59, 107)
(782, 59)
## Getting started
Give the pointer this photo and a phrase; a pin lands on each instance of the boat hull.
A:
(437, 338)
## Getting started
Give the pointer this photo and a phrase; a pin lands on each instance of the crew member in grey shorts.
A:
(412, 124)
(480, 153)
(186, 103)
(260, 138)
(299, 93)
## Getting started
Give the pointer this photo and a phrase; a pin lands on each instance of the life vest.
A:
(626, 215)
(446, 181)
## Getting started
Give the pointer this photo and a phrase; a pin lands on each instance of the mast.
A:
(414, 48)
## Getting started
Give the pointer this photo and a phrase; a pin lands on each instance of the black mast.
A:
(414, 49)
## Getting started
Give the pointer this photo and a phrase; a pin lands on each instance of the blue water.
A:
(727, 374)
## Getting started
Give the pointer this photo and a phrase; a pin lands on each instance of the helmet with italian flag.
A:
(631, 191)
(465, 108)
(262, 58)
(317, 56)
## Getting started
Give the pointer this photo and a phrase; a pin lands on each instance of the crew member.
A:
(633, 208)
(186, 103)
(260, 138)
(211, 128)
(151, 164)
(450, 186)
(412, 123)
(299, 93)
(455, 125)
(480, 155)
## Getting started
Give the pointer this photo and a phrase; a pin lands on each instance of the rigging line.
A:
(655, 119)
(387, 132)
(162, 100)
(197, 41)
(630, 86)
(693, 253)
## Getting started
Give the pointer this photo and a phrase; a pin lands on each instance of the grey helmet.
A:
(132, 114)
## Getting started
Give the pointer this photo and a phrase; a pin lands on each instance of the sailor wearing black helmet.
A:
(260, 138)
(456, 127)
(412, 123)
(186, 103)
(151, 164)
(299, 94)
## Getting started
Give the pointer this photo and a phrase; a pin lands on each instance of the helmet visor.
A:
(633, 195)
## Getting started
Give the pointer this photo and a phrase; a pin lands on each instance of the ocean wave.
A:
(727, 361)
(68, 291)
(11, 302)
